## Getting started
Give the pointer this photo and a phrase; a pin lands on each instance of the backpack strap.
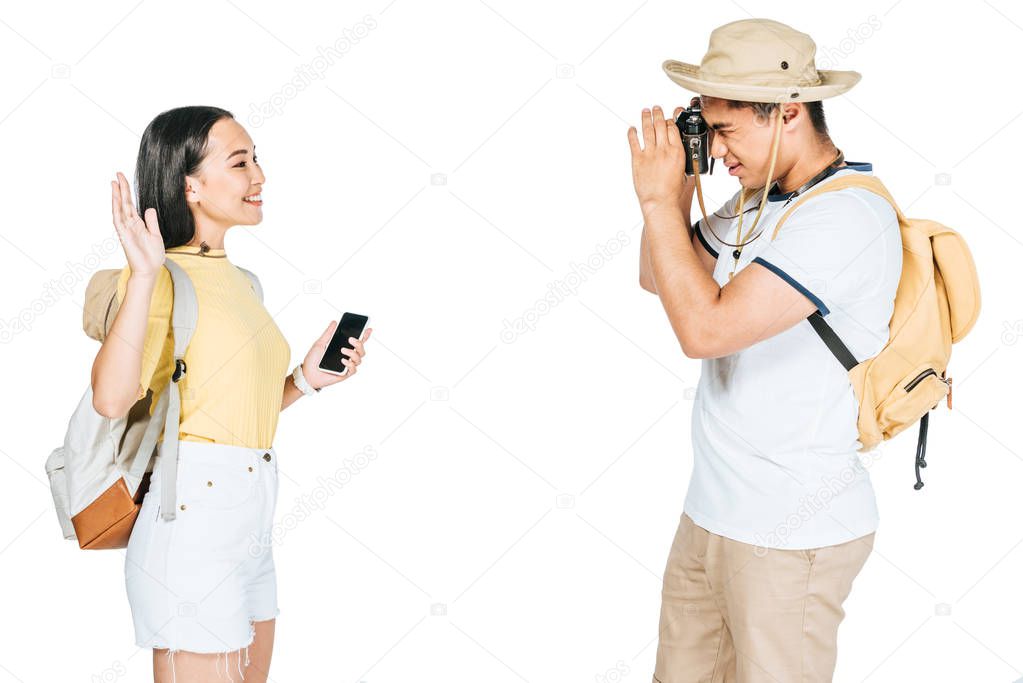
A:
(824, 330)
(168, 408)
(147, 444)
(867, 182)
(837, 346)
(186, 313)
(816, 320)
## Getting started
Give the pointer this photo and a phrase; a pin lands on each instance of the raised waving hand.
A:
(141, 240)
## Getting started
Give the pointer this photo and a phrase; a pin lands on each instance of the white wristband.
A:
(301, 383)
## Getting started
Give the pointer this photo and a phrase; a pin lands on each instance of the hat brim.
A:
(832, 83)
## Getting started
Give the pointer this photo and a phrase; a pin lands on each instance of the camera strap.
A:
(741, 238)
(775, 142)
(825, 172)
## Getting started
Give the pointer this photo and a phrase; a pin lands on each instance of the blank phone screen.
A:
(351, 325)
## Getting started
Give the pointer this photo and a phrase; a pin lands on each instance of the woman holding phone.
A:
(202, 586)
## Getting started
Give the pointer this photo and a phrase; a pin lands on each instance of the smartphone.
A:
(351, 325)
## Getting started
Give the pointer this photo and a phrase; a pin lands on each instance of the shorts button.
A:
(266, 456)
(182, 506)
(209, 483)
(250, 468)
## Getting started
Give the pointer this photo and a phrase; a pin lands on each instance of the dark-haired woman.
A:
(201, 581)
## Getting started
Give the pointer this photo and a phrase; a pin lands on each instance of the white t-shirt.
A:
(774, 426)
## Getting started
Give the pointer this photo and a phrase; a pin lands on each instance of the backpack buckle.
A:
(179, 369)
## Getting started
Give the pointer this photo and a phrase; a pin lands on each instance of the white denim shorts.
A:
(197, 582)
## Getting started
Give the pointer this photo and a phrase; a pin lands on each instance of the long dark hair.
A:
(173, 146)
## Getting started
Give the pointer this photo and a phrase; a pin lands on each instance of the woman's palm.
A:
(141, 240)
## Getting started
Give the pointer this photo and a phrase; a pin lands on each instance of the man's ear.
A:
(791, 110)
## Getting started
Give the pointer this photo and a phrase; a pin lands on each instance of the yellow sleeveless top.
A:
(236, 362)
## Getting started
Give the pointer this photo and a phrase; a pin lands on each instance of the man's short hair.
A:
(763, 109)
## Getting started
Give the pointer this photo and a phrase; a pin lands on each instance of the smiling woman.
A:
(199, 568)
(215, 156)
(197, 177)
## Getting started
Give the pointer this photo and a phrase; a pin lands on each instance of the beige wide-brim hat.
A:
(760, 60)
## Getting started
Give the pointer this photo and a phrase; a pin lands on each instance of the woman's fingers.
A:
(358, 349)
(327, 334)
(358, 344)
(115, 206)
(126, 206)
(152, 224)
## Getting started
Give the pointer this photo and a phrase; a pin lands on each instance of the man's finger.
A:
(660, 127)
(648, 130)
(633, 141)
(674, 136)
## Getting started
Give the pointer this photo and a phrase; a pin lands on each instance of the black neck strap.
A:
(825, 172)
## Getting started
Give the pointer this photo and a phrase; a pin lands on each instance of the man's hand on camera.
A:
(658, 168)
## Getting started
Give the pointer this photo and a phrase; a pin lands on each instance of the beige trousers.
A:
(737, 613)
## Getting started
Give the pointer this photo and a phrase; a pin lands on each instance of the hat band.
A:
(762, 80)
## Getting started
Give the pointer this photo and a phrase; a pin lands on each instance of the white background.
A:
(439, 176)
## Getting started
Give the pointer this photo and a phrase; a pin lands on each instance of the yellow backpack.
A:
(937, 303)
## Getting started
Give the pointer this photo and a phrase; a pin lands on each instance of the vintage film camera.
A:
(695, 138)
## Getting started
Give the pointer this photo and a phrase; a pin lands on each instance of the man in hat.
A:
(780, 514)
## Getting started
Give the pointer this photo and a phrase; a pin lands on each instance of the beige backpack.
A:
(101, 472)
(936, 305)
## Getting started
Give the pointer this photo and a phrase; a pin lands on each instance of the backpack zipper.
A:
(919, 378)
(929, 371)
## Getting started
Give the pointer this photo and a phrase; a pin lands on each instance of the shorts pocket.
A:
(140, 542)
(217, 486)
